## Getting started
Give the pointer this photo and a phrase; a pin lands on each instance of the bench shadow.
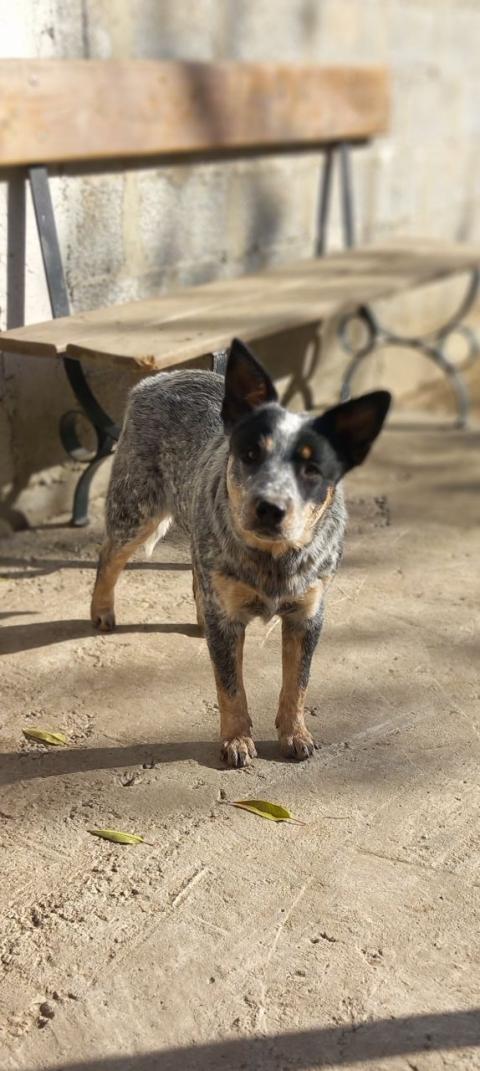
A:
(337, 1046)
(28, 765)
(26, 637)
(44, 566)
(16, 613)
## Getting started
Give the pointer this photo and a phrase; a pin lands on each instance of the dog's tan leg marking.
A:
(113, 558)
(295, 739)
(235, 724)
(235, 599)
(198, 598)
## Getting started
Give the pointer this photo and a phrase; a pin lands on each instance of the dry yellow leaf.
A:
(46, 737)
(117, 836)
(272, 811)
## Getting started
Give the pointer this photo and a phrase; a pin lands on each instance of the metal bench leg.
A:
(106, 431)
(82, 490)
(324, 201)
(431, 345)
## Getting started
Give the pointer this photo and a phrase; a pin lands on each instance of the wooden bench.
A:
(50, 113)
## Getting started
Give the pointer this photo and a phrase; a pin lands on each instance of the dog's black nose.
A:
(270, 514)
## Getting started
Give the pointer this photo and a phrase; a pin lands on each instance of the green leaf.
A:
(45, 737)
(272, 811)
(117, 836)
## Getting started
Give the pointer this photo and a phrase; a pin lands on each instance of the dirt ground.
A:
(227, 941)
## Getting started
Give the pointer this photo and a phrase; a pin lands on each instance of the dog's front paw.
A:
(103, 620)
(238, 751)
(297, 745)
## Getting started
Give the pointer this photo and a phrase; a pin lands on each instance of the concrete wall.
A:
(127, 235)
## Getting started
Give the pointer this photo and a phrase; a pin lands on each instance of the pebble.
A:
(46, 1010)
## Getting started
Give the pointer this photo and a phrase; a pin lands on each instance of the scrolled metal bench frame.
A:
(432, 344)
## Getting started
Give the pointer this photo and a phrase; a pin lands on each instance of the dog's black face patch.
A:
(252, 439)
(316, 464)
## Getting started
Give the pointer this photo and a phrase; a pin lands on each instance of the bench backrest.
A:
(59, 111)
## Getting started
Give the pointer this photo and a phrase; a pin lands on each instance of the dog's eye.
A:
(250, 456)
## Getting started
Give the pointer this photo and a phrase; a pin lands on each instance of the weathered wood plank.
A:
(178, 327)
(55, 110)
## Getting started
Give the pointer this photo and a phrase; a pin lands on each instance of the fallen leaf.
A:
(45, 737)
(265, 809)
(117, 836)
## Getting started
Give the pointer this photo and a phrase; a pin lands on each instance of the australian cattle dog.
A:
(258, 491)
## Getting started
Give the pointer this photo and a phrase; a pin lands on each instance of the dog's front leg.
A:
(299, 640)
(225, 644)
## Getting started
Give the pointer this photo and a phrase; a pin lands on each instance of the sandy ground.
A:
(227, 941)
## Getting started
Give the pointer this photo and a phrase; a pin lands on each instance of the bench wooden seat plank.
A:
(178, 327)
(50, 110)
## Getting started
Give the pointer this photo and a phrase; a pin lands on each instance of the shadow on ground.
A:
(44, 566)
(26, 637)
(340, 1046)
(25, 766)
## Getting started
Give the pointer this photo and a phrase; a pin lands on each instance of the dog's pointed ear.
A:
(247, 385)
(353, 426)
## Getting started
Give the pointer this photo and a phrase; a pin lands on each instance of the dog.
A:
(258, 490)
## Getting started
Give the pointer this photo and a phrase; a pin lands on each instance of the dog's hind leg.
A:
(114, 556)
(135, 514)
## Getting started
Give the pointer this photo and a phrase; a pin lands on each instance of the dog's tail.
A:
(158, 534)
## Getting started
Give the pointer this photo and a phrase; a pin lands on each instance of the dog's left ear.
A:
(353, 426)
(247, 385)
